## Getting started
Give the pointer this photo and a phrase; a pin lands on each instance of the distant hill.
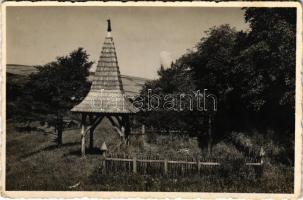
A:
(131, 84)
(24, 70)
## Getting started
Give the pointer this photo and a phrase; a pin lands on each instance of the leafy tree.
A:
(212, 66)
(174, 82)
(251, 72)
(58, 86)
(269, 64)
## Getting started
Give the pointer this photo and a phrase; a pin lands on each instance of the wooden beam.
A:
(93, 124)
(112, 121)
(119, 120)
(119, 128)
(96, 121)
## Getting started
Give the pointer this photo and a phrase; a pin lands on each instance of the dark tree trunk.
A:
(59, 131)
(210, 138)
(83, 124)
(59, 137)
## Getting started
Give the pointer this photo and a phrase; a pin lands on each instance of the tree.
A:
(212, 66)
(251, 72)
(271, 54)
(58, 86)
(173, 82)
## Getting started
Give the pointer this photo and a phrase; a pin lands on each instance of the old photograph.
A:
(174, 98)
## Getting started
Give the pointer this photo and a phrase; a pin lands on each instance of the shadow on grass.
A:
(50, 148)
(93, 151)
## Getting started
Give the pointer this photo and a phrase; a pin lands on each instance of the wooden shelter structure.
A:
(106, 97)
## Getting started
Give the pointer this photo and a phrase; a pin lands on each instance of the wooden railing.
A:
(165, 166)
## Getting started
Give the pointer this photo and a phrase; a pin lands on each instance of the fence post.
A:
(198, 166)
(134, 165)
(104, 166)
(165, 166)
(262, 154)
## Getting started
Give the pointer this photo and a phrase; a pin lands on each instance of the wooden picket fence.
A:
(153, 165)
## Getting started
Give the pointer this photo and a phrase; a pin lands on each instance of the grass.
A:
(206, 183)
(34, 162)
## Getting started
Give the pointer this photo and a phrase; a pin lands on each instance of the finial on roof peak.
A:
(109, 28)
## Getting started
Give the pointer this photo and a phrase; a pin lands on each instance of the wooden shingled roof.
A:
(106, 94)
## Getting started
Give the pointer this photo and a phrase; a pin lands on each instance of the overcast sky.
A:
(142, 36)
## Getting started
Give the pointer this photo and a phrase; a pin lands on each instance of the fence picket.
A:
(134, 165)
(165, 166)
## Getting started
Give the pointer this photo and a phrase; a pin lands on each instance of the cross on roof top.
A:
(109, 28)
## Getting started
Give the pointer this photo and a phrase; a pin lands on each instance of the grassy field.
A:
(35, 163)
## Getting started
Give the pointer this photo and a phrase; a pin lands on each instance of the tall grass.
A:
(35, 163)
(225, 180)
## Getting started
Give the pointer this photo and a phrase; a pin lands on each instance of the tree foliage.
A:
(58, 86)
(251, 72)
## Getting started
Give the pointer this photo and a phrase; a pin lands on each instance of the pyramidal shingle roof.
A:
(106, 94)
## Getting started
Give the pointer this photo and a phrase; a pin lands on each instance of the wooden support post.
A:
(134, 165)
(83, 121)
(91, 139)
(91, 133)
(119, 120)
(123, 128)
(126, 123)
(165, 166)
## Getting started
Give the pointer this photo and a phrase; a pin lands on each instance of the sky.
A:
(145, 37)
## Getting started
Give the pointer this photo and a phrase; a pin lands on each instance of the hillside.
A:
(132, 85)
